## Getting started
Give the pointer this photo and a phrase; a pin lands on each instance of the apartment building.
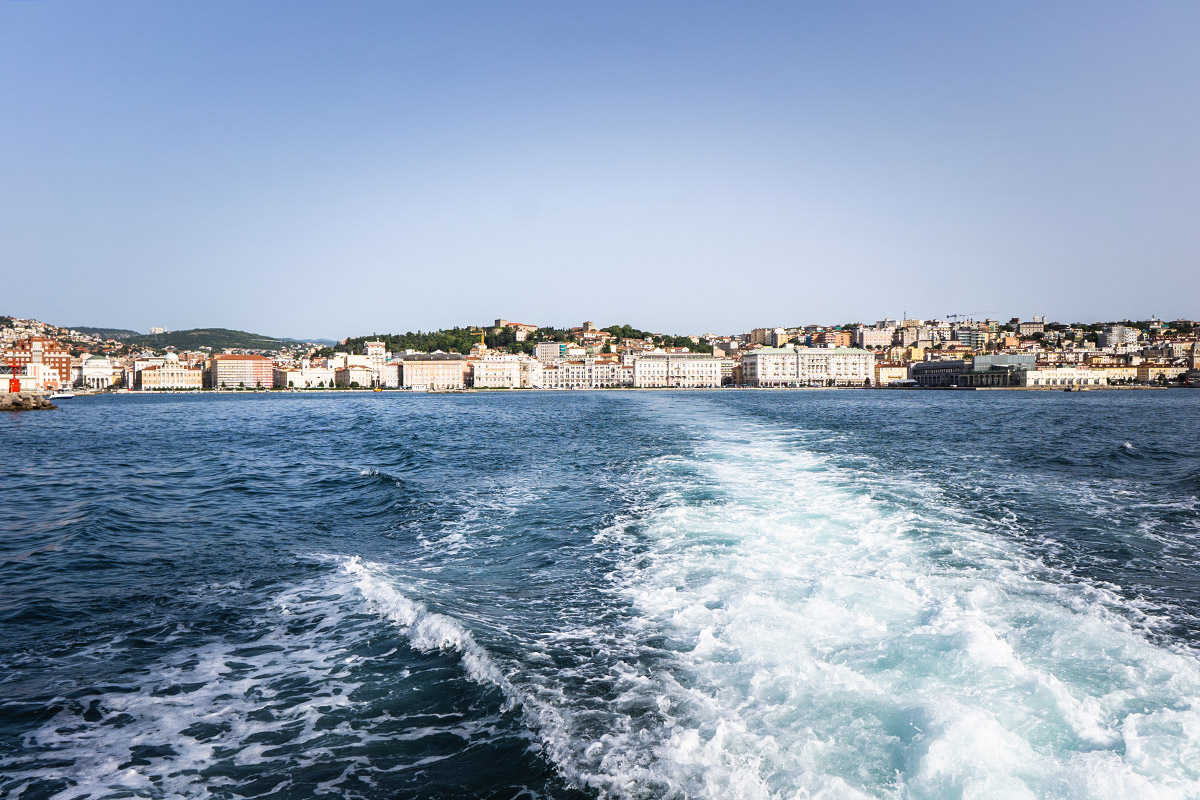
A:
(41, 350)
(549, 352)
(865, 337)
(228, 371)
(1116, 336)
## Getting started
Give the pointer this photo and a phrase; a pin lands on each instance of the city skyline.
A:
(684, 168)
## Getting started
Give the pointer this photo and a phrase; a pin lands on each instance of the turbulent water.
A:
(613, 595)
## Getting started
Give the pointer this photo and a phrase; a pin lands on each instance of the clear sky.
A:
(324, 169)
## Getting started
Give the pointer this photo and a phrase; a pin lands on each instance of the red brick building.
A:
(42, 350)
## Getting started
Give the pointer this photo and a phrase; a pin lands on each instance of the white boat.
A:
(62, 396)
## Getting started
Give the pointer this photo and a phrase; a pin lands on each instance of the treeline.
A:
(453, 340)
(216, 338)
(105, 333)
(460, 340)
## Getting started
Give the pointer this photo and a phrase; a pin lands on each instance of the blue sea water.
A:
(848, 594)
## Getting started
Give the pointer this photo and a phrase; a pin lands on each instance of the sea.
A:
(677, 594)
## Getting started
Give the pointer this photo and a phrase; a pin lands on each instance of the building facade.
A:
(41, 350)
(227, 371)
(169, 375)
(808, 366)
(1061, 378)
(677, 371)
(433, 371)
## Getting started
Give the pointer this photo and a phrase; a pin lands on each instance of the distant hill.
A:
(324, 342)
(104, 333)
(216, 338)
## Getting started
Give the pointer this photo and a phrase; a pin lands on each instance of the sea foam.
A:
(837, 633)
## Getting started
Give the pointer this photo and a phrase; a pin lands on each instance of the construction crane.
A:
(968, 315)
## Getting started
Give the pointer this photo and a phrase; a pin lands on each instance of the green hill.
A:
(459, 340)
(105, 333)
(215, 338)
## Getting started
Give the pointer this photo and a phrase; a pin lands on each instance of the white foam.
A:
(829, 643)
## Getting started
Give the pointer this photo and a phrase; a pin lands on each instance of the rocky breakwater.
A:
(24, 401)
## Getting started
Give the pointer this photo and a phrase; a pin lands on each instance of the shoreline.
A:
(356, 392)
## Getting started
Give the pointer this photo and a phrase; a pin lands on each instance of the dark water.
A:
(726, 594)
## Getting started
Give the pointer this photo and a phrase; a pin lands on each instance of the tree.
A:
(241, 384)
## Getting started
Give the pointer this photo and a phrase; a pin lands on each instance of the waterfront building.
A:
(230, 371)
(997, 369)
(531, 373)
(939, 373)
(1157, 371)
(356, 376)
(433, 371)
(609, 373)
(808, 366)
(496, 372)
(889, 372)
(677, 370)
(96, 372)
(306, 376)
(1060, 378)
(170, 374)
(1119, 373)
(34, 376)
(388, 375)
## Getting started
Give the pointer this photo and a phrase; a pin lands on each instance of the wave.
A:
(295, 693)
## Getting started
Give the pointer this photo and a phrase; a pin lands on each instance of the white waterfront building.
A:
(677, 371)
(1061, 378)
(496, 372)
(807, 366)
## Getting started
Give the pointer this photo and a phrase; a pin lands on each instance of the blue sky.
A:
(331, 169)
